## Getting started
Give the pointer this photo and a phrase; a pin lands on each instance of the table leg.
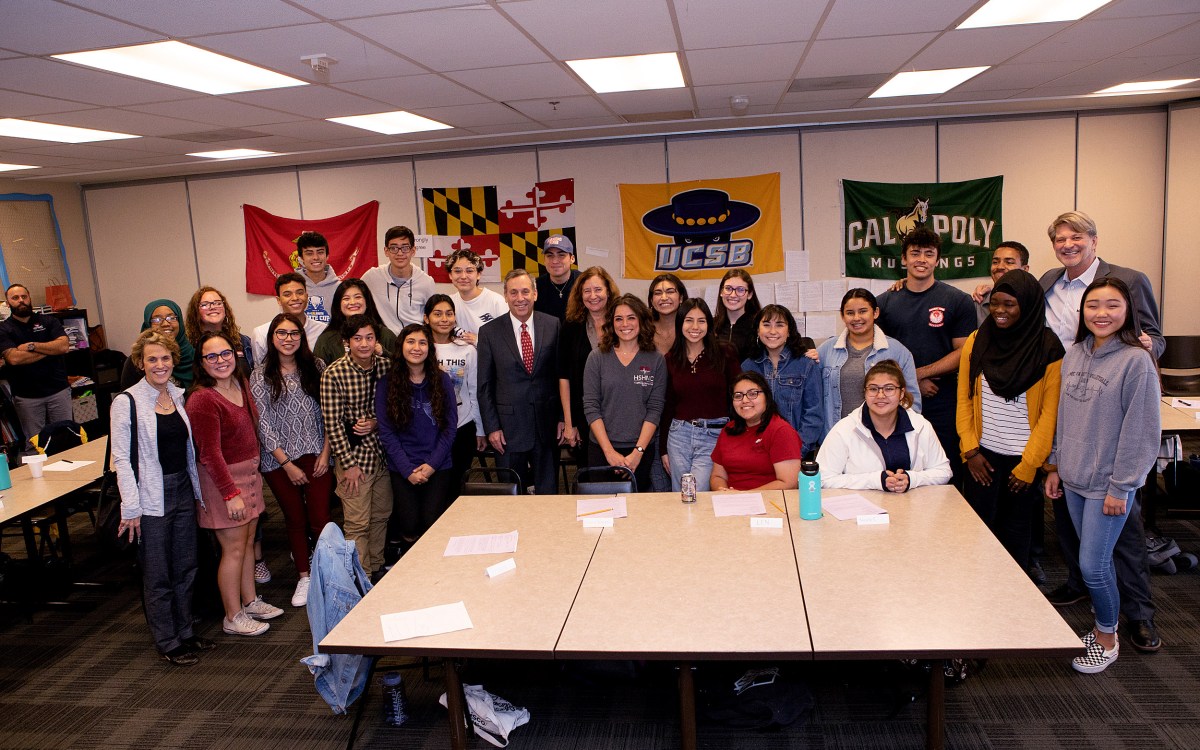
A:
(687, 706)
(31, 547)
(64, 534)
(456, 705)
(935, 729)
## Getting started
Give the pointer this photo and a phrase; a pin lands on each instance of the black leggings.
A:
(416, 506)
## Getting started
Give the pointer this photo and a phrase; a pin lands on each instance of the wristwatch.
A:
(30, 346)
(639, 449)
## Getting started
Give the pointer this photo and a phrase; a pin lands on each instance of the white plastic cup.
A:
(35, 464)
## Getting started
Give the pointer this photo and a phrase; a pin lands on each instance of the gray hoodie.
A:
(1108, 419)
(320, 294)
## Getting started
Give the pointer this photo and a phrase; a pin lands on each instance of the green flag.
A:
(966, 215)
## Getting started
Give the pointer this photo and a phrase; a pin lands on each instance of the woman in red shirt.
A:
(758, 449)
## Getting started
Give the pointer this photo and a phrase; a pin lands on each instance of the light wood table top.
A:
(673, 581)
(28, 494)
(517, 614)
(1178, 420)
(933, 583)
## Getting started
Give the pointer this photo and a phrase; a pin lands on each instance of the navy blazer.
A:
(1143, 299)
(510, 399)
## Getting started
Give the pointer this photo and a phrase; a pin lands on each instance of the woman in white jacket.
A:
(882, 445)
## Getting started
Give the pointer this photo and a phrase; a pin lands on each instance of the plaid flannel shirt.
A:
(348, 394)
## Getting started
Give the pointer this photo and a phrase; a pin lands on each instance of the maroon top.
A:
(703, 395)
(224, 434)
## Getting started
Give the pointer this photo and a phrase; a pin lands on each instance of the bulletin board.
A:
(31, 247)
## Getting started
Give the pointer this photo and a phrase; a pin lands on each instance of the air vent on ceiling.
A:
(217, 136)
(835, 83)
(682, 114)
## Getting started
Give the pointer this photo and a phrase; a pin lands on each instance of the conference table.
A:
(674, 582)
(28, 495)
(1175, 421)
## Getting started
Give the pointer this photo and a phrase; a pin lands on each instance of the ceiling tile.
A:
(1186, 39)
(1143, 8)
(718, 23)
(186, 19)
(792, 104)
(121, 121)
(18, 104)
(1013, 75)
(761, 94)
(414, 92)
(642, 102)
(281, 50)
(38, 76)
(504, 129)
(959, 95)
(38, 27)
(876, 54)
(342, 9)
(452, 39)
(1111, 72)
(724, 113)
(1091, 40)
(972, 47)
(311, 101)
(216, 111)
(315, 130)
(856, 18)
(505, 83)
(762, 62)
(469, 115)
(568, 108)
(579, 29)
(588, 122)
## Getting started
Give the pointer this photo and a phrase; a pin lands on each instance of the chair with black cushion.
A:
(604, 480)
(1180, 365)
(491, 480)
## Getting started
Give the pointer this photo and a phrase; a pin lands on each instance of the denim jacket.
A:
(833, 355)
(796, 388)
(338, 583)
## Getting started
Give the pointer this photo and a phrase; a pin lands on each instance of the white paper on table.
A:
(788, 295)
(609, 507)
(795, 265)
(65, 465)
(740, 504)
(810, 296)
(844, 507)
(444, 618)
(1178, 403)
(820, 327)
(711, 293)
(481, 544)
(765, 293)
(832, 291)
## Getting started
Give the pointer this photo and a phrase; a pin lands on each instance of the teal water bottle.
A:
(5, 479)
(810, 490)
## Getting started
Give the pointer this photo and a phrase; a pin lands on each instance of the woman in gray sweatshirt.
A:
(1107, 439)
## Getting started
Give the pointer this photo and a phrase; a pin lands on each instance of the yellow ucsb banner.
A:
(703, 228)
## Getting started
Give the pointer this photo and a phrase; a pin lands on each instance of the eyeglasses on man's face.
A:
(399, 249)
(751, 394)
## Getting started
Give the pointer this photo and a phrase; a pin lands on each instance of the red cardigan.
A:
(224, 434)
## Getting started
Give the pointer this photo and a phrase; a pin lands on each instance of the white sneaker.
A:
(260, 610)
(300, 598)
(241, 624)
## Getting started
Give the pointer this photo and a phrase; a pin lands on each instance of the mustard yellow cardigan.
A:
(1041, 400)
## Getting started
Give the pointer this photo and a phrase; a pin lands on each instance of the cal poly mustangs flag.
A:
(703, 228)
(879, 214)
(505, 225)
(271, 244)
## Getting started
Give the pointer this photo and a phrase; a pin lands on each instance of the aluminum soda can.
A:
(688, 488)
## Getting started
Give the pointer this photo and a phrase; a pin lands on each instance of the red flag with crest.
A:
(271, 244)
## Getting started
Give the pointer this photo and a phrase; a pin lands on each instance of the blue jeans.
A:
(1097, 536)
(690, 449)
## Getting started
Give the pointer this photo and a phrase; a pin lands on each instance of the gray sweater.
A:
(624, 397)
(1108, 419)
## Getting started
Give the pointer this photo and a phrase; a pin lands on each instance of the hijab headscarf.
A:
(183, 371)
(1015, 358)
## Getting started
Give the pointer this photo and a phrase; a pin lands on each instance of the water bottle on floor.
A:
(395, 703)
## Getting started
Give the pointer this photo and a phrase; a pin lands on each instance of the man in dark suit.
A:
(518, 385)
(1075, 240)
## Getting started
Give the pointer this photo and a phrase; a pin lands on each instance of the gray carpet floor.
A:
(86, 676)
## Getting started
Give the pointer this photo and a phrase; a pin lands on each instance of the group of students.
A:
(390, 414)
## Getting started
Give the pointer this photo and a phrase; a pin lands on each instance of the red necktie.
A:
(526, 349)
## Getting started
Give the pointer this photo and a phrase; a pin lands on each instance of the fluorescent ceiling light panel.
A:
(233, 153)
(1016, 12)
(184, 66)
(391, 123)
(44, 131)
(916, 82)
(1139, 87)
(607, 75)
(15, 167)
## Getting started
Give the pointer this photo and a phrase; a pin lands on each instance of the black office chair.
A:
(1182, 359)
(604, 480)
(491, 480)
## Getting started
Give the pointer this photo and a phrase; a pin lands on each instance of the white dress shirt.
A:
(1062, 303)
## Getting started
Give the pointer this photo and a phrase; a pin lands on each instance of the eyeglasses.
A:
(752, 394)
(213, 358)
(736, 291)
(887, 390)
(284, 334)
(463, 270)
(214, 305)
(160, 319)
(399, 248)
(665, 292)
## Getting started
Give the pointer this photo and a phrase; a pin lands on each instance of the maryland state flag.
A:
(504, 224)
(703, 228)
(271, 244)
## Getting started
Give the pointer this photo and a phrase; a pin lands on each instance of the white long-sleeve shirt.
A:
(850, 458)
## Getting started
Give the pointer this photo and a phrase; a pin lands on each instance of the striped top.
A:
(1005, 423)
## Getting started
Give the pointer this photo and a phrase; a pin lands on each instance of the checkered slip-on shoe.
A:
(1096, 658)
(262, 574)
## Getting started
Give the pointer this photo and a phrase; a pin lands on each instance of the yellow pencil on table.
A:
(594, 512)
(781, 510)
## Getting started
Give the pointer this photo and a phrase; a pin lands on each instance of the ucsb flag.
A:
(966, 215)
(703, 228)
(271, 244)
